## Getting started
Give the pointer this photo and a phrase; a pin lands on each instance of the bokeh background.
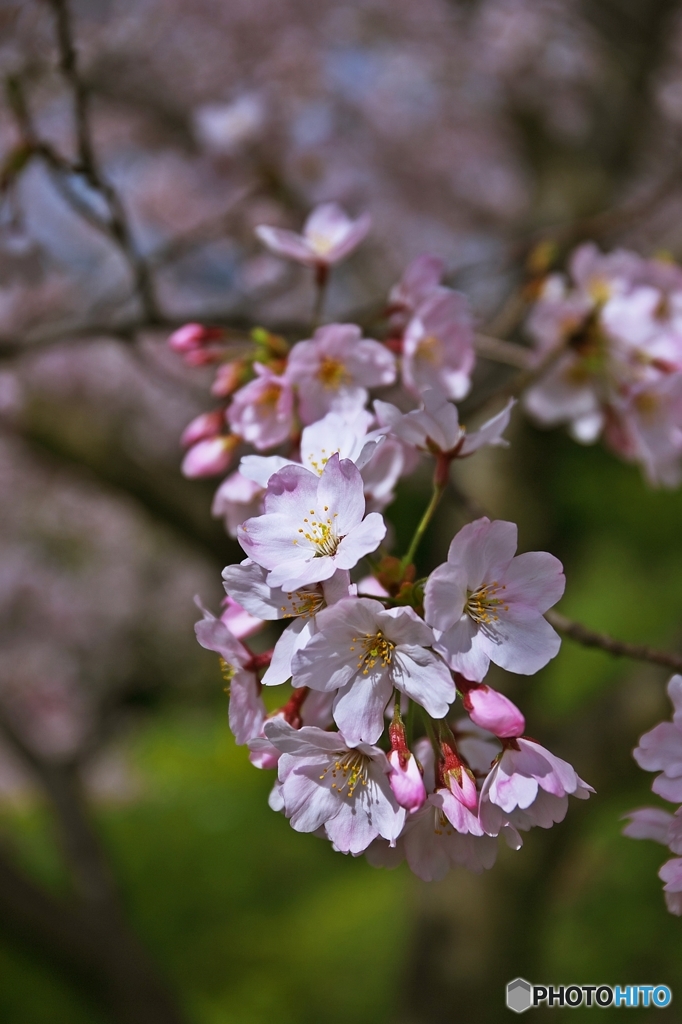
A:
(142, 877)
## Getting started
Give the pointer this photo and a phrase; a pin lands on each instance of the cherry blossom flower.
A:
(247, 711)
(247, 584)
(528, 786)
(436, 427)
(645, 426)
(333, 370)
(660, 749)
(304, 707)
(236, 500)
(438, 349)
(262, 412)
(327, 782)
(649, 823)
(487, 605)
(363, 650)
(432, 846)
(442, 834)
(312, 525)
(329, 235)
(671, 874)
(335, 434)
(420, 280)
(616, 335)
(381, 473)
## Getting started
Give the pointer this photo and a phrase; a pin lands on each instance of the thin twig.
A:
(506, 352)
(589, 638)
(119, 227)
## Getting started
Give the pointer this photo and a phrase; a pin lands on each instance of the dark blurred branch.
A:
(60, 780)
(112, 967)
(162, 494)
(506, 352)
(89, 938)
(89, 165)
(589, 638)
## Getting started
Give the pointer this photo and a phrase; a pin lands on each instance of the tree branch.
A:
(119, 226)
(589, 638)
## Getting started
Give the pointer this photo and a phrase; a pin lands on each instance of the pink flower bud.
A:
(193, 336)
(493, 711)
(228, 378)
(209, 457)
(462, 785)
(202, 356)
(208, 424)
(457, 776)
(406, 781)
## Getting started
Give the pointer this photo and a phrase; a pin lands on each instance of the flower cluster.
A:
(269, 392)
(388, 741)
(660, 750)
(609, 350)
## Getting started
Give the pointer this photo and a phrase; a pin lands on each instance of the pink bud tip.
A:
(209, 457)
(493, 711)
(463, 788)
(227, 379)
(191, 336)
(208, 424)
(406, 782)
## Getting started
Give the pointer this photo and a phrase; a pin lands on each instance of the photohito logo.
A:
(521, 995)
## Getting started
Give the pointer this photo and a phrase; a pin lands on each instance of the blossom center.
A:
(429, 348)
(647, 403)
(318, 464)
(304, 602)
(228, 672)
(482, 604)
(269, 396)
(320, 531)
(374, 648)
(319, 243)
(332, 373)
(348, 771)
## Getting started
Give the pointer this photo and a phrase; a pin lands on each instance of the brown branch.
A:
(110, 965)
(60, 780)
(89, 937)
(589, 638)
(88, 165)
(506, 352)
(163, 495)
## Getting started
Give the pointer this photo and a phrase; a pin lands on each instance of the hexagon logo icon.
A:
(519, 995)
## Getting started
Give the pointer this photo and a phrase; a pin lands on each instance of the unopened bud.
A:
(192, 336)
(208, 424)
(406, 781)
(492, 710)
(229, 376)
(457, 776)
(209, 457)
